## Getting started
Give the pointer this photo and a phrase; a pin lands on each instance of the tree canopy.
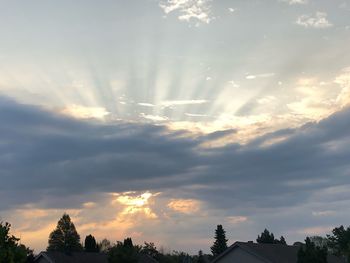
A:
(124, 252)
(220, 243)
(268, 238)
(90, 244)
(10, 250)
(311, 253)
(65, 237)
(339, 241)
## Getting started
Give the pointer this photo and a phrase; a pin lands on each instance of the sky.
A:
(160, 119)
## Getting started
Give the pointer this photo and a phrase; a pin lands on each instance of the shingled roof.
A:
(272, 253)
(81, 257)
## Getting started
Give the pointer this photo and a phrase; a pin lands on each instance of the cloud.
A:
(171, 103)
(108, 176)
(186, 206)
(295, 2)
(319, 20)
(264, 75)
(197, 10)
(83, 112)
(155, 118)
(237, 219)
(146, 104)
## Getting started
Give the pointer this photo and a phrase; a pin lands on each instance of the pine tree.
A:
(90, 244)
(266, 238)
(65, 237)
(220, 243)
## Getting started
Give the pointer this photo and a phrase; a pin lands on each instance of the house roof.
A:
(272, 253)
(84, 257)
(78, 257)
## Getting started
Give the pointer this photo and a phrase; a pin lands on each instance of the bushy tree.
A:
(10, 250)
(90, 244)
(65, 237)
(311, 253)
(105, 245)
(150, 250)
(220, 243)
(281, 241)
(319, 241)
(268, 238)
(339, 242)
(124, 252)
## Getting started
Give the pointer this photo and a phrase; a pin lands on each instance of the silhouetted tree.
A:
(150, 250)
(319, 241)
(266, 237)
(200, 257)
(312, 254)
(124, 252)
(104, 245)
(10, 250)
(282, 241)
(65, 237)
(339, 242)
(220, 243)
(90, 244)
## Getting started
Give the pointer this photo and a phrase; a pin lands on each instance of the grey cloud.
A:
(59, 161)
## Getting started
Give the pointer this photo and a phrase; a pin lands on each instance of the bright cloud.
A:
(319, 20)
(198, 10)
(153, 117)
(170, 103)
(264, 75)
(82, 112)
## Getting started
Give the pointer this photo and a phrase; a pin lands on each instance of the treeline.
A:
(65, 238)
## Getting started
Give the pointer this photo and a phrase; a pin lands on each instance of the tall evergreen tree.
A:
(266, 237)
(90, 244)
(220, 243)
(65, 237)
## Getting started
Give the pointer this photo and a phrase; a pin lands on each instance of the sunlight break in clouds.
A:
(82, 112)
(319, 20)
(136, 204)
(189, 9)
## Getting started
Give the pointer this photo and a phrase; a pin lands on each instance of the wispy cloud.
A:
(153, 117)
(195, 115)
(197, 10)
(319, 20)
(264, 75)
(146, 104)
(296, 2)
(170, 103)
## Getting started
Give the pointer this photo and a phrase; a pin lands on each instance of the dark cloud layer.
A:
(56, 160)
